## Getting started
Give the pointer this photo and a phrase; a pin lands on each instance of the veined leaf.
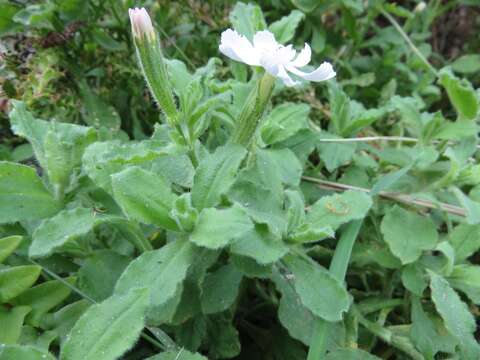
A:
(108, 329)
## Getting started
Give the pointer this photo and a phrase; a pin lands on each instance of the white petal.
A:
(303, 58)
(265, 41)
(283, 75)
(322, 73)
(285, 54)
(238, 48)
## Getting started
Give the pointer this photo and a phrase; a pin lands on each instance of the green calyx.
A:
(249, 119)
(155, 72)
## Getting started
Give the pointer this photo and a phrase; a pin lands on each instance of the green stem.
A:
(338, 268)
(252, 111)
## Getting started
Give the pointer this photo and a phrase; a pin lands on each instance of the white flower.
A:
(275, 58)
(141, 23)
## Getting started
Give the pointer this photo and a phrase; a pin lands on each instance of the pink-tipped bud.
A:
(141, 24)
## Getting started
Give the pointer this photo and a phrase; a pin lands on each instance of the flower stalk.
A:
(253, 110)
(151, 61)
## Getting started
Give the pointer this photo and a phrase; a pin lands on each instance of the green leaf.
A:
(23, 195)
(106, 262)
(467, 64)
(215, 174)
(335, 210)
(408, 234)
(472, 208)
(340, 107)
(319, 291)
(24, 352)
(12, 322)
(161, 271)
(64, 319)
(284, 29)
(284, 121)
(108, 329)
(295, 317)
(334, 154)
(461, 94)
(466, 278)
(98, 113)
(384, 182)
(220, 289)
(260, 245)
(8, 245)
(178, 355)
(456, 316)
(414, 278)
(66, 226)
(350, 354)
(102, 159)
(15, 280)
(58, 147)
(306, 5)
(144, 196)
(44, 297)
(247, 19)
(465, 240)
(217, 228)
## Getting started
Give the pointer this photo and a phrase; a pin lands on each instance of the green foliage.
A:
(132, 225)
(108, 329)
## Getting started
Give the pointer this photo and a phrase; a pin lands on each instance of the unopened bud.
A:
(420, 7)
(141, 24)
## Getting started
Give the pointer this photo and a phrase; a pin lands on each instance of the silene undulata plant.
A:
(202, 240)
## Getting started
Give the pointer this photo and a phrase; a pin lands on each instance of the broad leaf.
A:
(220, 289)
(215, 174)
(15, 280)
(108, 329)
(284, 29)
(319, 291)
(217, 228)
(408, 234)
(461, 94)
(23, 195)
(24, 352)
(456, 316)
(144, 196)
(8, 245)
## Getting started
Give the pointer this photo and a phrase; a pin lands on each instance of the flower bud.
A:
(152, 63)
(420, 7)
(141, 24)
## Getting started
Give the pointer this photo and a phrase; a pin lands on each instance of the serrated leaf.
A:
(23, 195)
(217, 228)
(15, 280)
(215, 174)
(284, 29)
(456, 316)
(408, 234)
(108, 329)
(319, 291)
(144, 196)
(334, 154)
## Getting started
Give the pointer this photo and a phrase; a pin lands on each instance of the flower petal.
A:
(322, 73)
(303, 57)
(283, 75)
(238, 48)
(265, 41)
